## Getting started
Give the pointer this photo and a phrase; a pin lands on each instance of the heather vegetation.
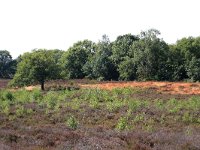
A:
(122, 113)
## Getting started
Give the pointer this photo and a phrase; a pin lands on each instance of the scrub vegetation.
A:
(92, 118)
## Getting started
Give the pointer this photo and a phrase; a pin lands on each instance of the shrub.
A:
(114, 106)
(50, 100)
(122, 123)
(36, 95)
(134, 105)
(9, 96)
(20, 111)
(72, 122)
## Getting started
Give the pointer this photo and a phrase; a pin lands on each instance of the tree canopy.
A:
(129, 57)
(37, 66)
(7, 64)
(75, 58)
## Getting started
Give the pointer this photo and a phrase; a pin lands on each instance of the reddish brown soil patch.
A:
(164, 87)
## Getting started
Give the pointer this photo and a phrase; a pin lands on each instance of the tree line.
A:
(130, 57)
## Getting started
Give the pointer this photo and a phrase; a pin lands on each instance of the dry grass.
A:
(164, 87)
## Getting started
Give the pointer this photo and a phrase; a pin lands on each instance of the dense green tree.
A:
(121, 47)
(175, 64)
(186, 53)
(193, 69)
(75, 58)
(36, 67)
(150, 54)
(120, 53)
(189, 47)
(127, 69)
(100, 66)
(57, 54)
(7, 65)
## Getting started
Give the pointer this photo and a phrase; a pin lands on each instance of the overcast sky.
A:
(29, 24)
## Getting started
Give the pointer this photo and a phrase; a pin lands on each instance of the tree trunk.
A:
(42, 86)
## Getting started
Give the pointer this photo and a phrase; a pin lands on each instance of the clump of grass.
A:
(159, 104)
(126, 91)
(148, 125)
(122, 123)
(187, 117)
(75, 104)
(36, 95)
(133, 105)
(5, 107)
(23, 96)
(94, 104)
(162, 119)
(193, 103)
(72, 122)
(6, 110)
(8, 96)
(139, 118)
(21, 111)
(114, 106)
(173, 106)
(51, 100)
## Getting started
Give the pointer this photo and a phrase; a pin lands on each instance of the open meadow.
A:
(88, 115)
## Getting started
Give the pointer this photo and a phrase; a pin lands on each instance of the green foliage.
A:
(75, 104)
(185, 59)
(187, 117)
(176, 64)
(94, 103)
(75, 58)
(5, 107)
(6, 96)
(192, 104)
(100, 66)
(150, 55)
(114, 106)
(139, 118)
(193, 69)
(129, 57)
(36, 95)
(72, 122)
(122, 123)
(22, 112)
(23, 96)
(148, 125)
(159, 104)
(121, 47)
(7, 65)
(189, 47)
(127, 69)
(36, 67)
(51, 100)
(120, 56)
(133, 105)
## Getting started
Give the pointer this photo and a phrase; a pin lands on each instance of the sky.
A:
(58, 24)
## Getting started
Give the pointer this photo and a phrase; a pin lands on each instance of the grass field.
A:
(78, 115)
